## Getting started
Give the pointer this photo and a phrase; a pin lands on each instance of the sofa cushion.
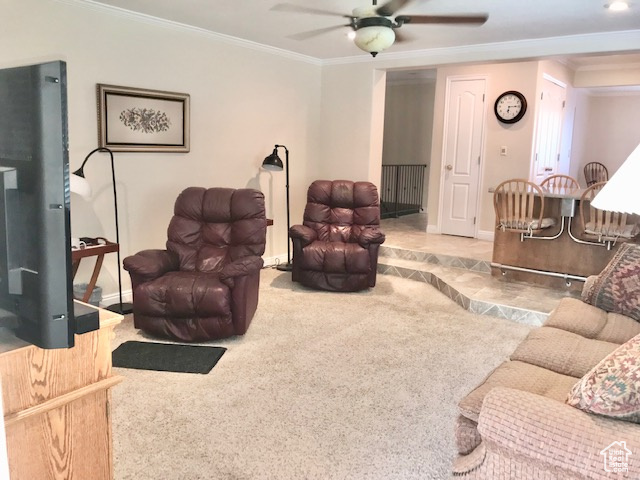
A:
(617, 288)
(612, 388)
(521, 376)
(574, 315)
(561, 351)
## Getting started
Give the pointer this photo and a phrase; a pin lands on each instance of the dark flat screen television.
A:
(36, 289)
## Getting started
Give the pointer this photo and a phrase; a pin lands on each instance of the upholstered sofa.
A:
(566, 404)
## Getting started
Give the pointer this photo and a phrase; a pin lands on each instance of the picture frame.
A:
(142, 120)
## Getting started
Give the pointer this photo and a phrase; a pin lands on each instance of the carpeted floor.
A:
(322, 386)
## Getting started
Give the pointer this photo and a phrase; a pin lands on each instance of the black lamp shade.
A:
(273, 162)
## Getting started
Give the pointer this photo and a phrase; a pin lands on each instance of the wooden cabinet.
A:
(56, 406)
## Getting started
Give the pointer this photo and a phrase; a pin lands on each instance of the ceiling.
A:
(509, 20)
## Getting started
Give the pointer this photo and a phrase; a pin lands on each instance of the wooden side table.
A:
(77, 254)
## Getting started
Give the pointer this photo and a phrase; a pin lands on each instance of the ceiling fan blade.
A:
(391, 7)
(314, 33)
(290, 7)
(478, 19)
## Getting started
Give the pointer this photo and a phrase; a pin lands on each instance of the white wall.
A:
(243, 101)
(610, 132)
(408, 123)
(607, 113)
(352, 122)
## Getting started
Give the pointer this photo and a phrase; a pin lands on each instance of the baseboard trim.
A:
(486, 235)
(113, 298)
(273, 261)
(480, 235)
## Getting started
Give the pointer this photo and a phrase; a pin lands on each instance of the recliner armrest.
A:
(371, 235)
(237, 268)
(303, 234)
(150, 264)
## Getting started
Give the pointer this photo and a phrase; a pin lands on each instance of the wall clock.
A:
(510, 107)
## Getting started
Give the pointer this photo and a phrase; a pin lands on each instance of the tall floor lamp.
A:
(82, 186)
(273, 163)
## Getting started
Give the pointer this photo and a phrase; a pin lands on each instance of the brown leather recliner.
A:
(337, 246)
(205, 284)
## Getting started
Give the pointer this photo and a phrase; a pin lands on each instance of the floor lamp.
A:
(83, 187)
(273, 163)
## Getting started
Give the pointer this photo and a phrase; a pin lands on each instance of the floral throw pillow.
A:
(612, 388)
(617, 288)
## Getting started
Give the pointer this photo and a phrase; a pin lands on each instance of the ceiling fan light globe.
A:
(362, 12)
(617, 6)
(374, 39)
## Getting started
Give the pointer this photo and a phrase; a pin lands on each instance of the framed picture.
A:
(140, 120)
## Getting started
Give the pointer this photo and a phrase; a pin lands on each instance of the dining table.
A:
(561, 256)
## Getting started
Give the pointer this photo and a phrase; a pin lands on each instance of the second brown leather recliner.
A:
(337, 246)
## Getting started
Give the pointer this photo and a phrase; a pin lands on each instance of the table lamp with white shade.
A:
(620, 194)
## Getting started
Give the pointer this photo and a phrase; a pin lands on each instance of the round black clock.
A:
(510, 106)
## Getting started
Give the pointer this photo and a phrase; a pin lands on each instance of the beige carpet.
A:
(322, 386)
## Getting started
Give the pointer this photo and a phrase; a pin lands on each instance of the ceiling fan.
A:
(374, 26)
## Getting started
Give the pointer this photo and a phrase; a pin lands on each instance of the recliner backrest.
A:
(212, 227)
(338, 210)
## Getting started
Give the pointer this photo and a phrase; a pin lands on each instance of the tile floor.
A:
(460, 268)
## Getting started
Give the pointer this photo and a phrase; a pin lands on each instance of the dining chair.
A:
(516, 207)
(560, 183)
(604, 225)
(595, 172)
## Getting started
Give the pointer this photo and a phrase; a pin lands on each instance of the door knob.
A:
(449, 167)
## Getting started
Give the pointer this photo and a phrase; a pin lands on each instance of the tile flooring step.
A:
(476, 290)
(467, 263)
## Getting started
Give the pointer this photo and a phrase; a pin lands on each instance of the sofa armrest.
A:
(305, 235)
(371, 235)
(545, 430)
(237, 268)
(148, 265)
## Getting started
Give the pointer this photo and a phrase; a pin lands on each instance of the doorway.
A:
(407, 142)
(462, 154)
(546, 153)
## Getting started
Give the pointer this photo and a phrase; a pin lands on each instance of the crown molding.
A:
(160, 22)
(614, 91)
(601, 42)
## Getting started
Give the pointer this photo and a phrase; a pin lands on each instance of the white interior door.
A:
(546, 156)
(464, 123)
